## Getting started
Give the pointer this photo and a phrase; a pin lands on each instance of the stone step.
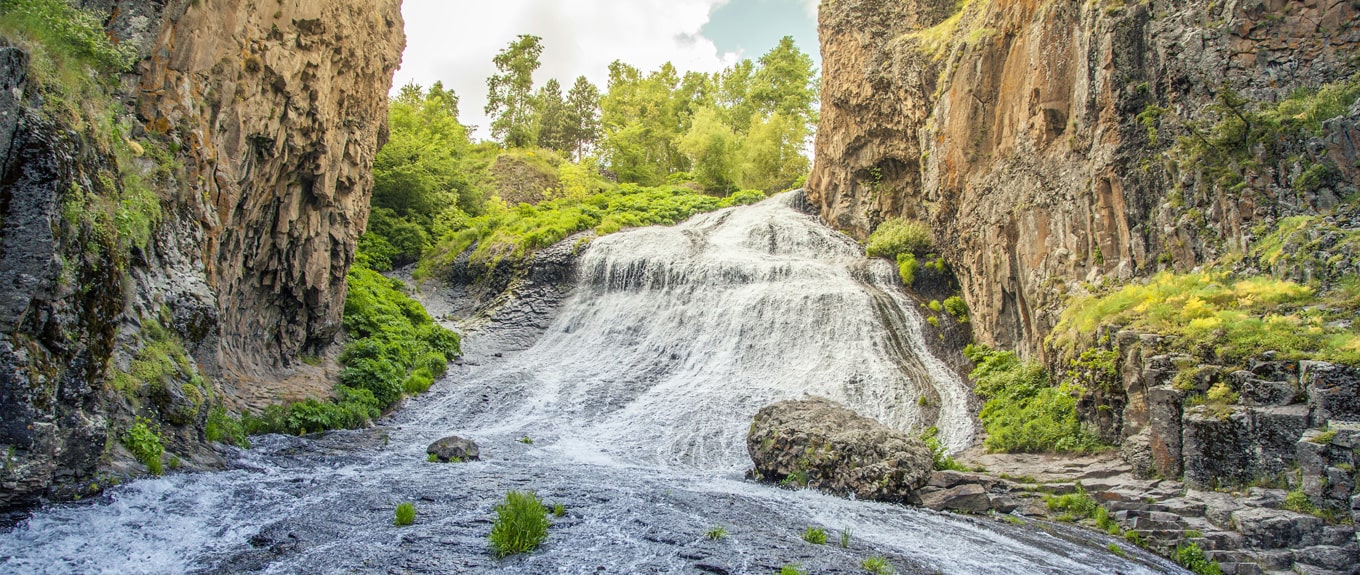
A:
(1240, 569)
(1221, 540)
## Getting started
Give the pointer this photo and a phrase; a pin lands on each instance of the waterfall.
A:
(630, 409)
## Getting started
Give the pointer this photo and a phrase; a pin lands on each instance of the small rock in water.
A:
(454, 447)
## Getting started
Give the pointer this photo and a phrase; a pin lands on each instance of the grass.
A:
(1117, 550)
(526, 440)
(877, 565)
(406, 514)
(1324, 437)
(432, 458)
(845, 538)
(521, 524)
(1024, 412)
(1073, 506)
(559, 510)
(716, 533)
(939, 456)
(225, 428)
(515, 232)
(936, 41)
(145, 443)
(792, 569)
(815, 535)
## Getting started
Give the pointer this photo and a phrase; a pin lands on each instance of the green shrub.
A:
(521, 524)
(144, 441)
(1298, 502)
(716, 533)
(940, 457)
(406, 514)
(815, 535)
(877, 565)
(935, 305)
(906, 268)
(1023, 411)
(418, 382)
(898, 236)
(956, 308)
(1192, 557)
(1074, 506)
(225, 428)
(792, 569)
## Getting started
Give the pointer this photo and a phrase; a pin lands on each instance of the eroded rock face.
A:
(264, 118)
(818, 443)
(1020, 141)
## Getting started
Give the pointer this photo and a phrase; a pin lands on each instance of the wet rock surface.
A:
(820, 444)
(454, 448)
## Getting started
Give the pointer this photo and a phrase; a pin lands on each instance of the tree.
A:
(642, 119)
(771, 155)
(583, 117)
(554, 119)
(785, 82)
(712, 148)
(510, 92)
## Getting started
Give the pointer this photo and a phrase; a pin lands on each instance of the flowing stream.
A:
(637, 397)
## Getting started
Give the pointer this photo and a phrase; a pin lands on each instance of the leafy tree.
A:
(583, 116)
(510, 92)
(554, 118)
(712, 146)
(785, 82)
(771, 155)
(642, 120)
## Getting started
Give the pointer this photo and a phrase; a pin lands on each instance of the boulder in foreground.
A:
(818, 443)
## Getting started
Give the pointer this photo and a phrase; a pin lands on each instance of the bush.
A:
(1074, 506)
(716, 533)
(406, 514)
(1023, 411)
(419, 381)
(815, 535)
(940, 457)
(1192, 557)
(899, 236)
(145, 444)
(906, 268)
(521, 524)
(225, 428)
(956, 308)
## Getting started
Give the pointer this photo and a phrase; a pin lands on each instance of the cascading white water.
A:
(637, 398)
(677, 335)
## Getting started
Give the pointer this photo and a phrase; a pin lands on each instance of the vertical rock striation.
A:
(1013, 127)
(259, 121)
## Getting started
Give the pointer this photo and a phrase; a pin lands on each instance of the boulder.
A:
(818, 443)
(966, 498)
(1333, 391)
(1217, 448)
(454, 448)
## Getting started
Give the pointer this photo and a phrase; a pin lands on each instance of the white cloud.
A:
(453, 41)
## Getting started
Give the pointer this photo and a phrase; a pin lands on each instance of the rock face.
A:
(252, 125)
(454, 448)
(821, 444)
(1017, 130)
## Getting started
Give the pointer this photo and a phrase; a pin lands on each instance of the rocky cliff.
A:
(1054, 143)
(177, 231)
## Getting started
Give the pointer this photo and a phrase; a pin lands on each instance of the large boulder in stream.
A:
(818, 443)
(454, 448)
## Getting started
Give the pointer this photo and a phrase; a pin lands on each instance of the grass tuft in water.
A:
(815, 535)
(406, 514)
(716, 533)
(521, 524)
(845, 538)
(792, 569)
(877, 565)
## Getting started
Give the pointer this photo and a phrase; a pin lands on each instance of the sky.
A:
(453, 41)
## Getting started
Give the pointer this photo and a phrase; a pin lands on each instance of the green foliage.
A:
(716, 533)
(1324, 437)
(516, 232)
(1074, 506)
(225, 428)
(68, 34)
(712, 147)
(877, 565)
(559, 510)
(1233, 318)
(898, 236)
(815, 535)
(1192, 557)
(792, 569)
(956, 308)
(526, 440)
(432, 458)
(939, 456)
(521, 524)
(1117, 550)
(845, 539)
(143, 439)
(906, 268)
(1297, 501)
(1023, 411)
(509, 99)
(406, 514)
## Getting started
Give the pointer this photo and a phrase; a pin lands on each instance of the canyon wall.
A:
(184, 244)
(1040, 139)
